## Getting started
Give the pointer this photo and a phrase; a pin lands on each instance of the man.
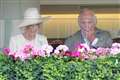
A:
(88, 33)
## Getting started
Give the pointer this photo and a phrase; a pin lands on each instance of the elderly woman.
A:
(29, 28)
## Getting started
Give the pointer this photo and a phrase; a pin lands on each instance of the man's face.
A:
(87, 23)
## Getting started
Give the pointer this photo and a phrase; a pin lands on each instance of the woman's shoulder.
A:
(41, 36)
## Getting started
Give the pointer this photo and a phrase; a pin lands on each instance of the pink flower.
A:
(35, 52)
(47, 49)
(56, 52)
(42, 53)
(116, 45)
(24, 52)
(24, 56)
(61, 48)
(27, 48)
(75, 54)
(28, 51)
(13, 54)
(92, 50)
(83, 48)
(115, 49)
(67, 53)
(85, 56)
(102, 51)
(6, 51)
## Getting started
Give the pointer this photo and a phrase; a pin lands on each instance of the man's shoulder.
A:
(103, 35)
(102, 32)
(73, 37)
(76, 34)
(72, 40)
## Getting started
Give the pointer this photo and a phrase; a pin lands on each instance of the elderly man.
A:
(88, 33)
(29, 27)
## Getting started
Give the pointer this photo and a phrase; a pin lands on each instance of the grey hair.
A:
(93, 14)
(94, 18)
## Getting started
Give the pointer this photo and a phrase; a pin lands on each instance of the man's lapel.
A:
(82, 40)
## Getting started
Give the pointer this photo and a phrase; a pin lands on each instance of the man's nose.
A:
(87, 25)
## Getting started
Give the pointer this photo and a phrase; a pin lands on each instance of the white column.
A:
(1, 33)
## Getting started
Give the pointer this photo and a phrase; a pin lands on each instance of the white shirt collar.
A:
(87, 41)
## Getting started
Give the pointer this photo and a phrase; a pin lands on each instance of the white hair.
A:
(89, 11)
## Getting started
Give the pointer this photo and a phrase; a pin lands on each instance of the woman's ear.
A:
(22, 29)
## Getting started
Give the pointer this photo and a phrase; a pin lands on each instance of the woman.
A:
(29, 28)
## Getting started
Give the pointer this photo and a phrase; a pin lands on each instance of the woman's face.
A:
(32, 29)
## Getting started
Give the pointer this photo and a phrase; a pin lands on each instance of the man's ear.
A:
(95, 20)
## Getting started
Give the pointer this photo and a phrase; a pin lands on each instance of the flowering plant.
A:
(102, 51)
(61, 50)
(46, 49)
(28, 51)
(115, 49)
(81, 51)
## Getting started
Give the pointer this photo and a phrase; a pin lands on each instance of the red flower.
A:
(67, 53)
(75, 54)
